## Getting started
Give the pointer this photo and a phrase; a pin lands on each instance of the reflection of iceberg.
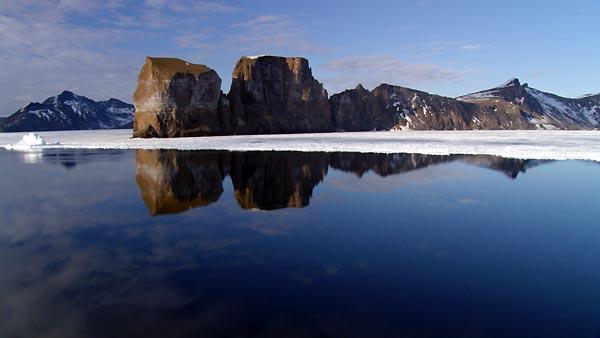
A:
(174, 181)
(29, 142)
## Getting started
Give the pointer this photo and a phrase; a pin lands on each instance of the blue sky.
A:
(95, 48)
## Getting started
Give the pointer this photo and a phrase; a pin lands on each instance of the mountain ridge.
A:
(69, 111)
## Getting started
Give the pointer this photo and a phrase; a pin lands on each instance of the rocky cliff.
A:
(175, 98)
(508, 106)
(272, 94)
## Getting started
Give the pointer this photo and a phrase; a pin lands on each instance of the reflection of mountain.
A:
(275, 180)
(511, 167)
(393, 164)
(175, 181)
(384, 164)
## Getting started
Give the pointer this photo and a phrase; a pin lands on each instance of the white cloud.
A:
(373, 70)
(47, 47)
(264, 34)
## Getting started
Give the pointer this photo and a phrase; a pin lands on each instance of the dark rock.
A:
(271, 94)
(359, 110)
(175, 98)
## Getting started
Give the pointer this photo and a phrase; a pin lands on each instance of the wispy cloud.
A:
(373, 70)
(256, 35)
(47, 47)
(437, 47)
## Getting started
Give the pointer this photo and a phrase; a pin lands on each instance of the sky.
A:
(96, 48)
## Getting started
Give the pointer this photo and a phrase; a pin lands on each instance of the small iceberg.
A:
(30, 142)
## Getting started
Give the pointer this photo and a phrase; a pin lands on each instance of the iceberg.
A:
(29, 142)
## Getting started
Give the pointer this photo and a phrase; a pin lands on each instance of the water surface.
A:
(273, 244)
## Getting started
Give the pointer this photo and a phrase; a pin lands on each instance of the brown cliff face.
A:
(271, 94)
(175, 98)
(174, 181)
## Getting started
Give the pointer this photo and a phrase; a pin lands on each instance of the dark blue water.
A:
(217, 244)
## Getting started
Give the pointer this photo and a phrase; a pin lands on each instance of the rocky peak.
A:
(514, 82)
(359, 88)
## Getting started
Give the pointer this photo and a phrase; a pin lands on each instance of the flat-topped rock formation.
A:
(175, 98)
(273, 94)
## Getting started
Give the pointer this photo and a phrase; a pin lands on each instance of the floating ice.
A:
(524, 144)
(31, 141)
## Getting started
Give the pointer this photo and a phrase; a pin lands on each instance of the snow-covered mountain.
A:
(68, 111)
(542, 110)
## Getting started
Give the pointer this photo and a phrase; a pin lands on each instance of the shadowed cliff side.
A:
(274, 95)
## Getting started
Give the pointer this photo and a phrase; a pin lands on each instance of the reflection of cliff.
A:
(274, 180)
(174, 181)
(384, 164)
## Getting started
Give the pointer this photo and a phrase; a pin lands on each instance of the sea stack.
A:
(273, 94)
(175, 98)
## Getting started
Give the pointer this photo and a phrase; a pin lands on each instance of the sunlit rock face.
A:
(265, 180)
(175, 98)
(272, 94)
(172, 181)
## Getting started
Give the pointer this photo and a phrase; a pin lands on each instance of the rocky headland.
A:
(275, 95)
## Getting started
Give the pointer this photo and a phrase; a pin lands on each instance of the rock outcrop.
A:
(175, 98)
(271, 94)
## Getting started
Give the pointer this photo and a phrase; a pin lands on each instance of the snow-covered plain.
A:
(534, 144)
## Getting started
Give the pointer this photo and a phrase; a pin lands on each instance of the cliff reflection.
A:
(275, 180)
(174, 181)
